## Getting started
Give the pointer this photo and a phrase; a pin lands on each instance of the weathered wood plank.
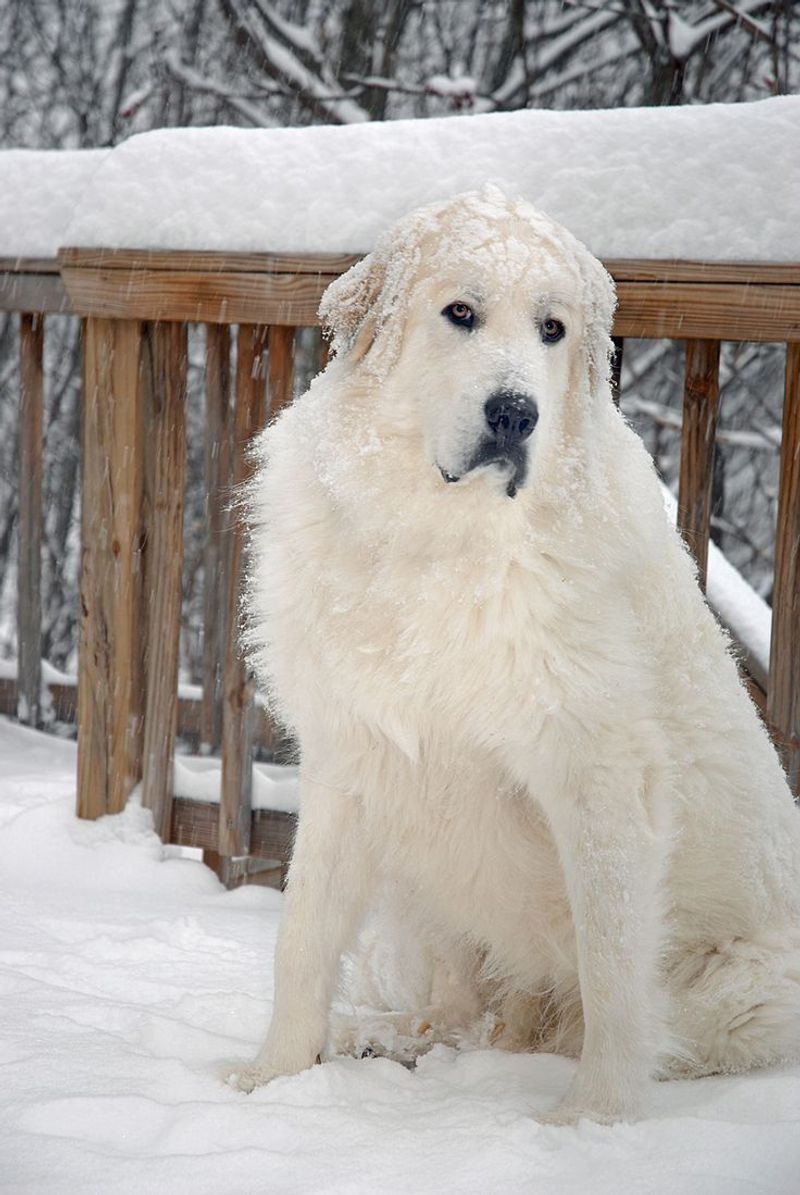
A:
(216, 554)
(195, 823)
(212, 297)
(783, 694)
(238, 712)
(616, 368)
(29, 535)
(64, 698)
(164, 358)
(44, 293)
(272, 834)
(324, 352)
(698, 435)
(29, 265)
(678, 310)
(631, 269)
(757, 693)
(110, 690)
(206, 261)
(280, 369)
(707, 311)
(676, 270)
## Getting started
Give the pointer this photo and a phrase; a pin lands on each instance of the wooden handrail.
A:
(671, 299)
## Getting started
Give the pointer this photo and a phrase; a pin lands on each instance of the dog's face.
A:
(491, 343)
(488, 325)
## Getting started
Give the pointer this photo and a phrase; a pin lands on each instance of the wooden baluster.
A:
(280, 390)
(29, 534)
(216, 565)
(616, 367)
(783, 695)
(281, 368)
(238, 688)
(324, 352)
(698, 434)
(110, 688)
(164, 391)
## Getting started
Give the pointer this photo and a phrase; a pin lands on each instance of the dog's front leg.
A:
(328, 883)
(613, 853)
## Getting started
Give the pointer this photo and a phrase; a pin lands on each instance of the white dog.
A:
(515, 712)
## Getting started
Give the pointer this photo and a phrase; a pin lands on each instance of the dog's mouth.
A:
(514, 463)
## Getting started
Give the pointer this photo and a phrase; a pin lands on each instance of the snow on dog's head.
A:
(487, 318)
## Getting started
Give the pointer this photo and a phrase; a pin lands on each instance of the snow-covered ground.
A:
(127, 974)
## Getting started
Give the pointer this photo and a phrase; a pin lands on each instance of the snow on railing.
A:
(707, 183)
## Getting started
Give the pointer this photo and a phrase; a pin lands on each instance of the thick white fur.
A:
(517, 717)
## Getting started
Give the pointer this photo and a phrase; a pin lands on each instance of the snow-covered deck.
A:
(129, 974)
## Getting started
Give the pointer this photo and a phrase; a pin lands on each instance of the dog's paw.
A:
(247, 1076)
(570, 1112)
(565, 1114)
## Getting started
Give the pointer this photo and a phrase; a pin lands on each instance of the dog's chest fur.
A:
(430, 643)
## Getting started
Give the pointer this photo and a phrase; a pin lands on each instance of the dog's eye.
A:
(551, 330)
(460, 314)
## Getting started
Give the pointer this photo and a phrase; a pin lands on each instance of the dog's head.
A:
(488, 319)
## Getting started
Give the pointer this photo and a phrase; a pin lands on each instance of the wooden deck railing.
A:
(135, 307)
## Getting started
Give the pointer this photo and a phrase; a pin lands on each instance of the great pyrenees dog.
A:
(517, 717)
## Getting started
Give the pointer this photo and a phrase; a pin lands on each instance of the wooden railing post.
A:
(698, 435)
(324, 352)
(237, 714)
(280, 368)
(216, 584)
(783, 695)
(29, 534)
(110, 686)
(615, 372)
(164, 398)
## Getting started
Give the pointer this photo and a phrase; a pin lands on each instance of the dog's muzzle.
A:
(510, 419)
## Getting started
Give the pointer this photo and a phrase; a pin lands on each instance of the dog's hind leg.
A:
(451, 1012)
(737, 1005)
(329, 882)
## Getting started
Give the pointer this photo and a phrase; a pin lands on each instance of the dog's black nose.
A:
(511, 416)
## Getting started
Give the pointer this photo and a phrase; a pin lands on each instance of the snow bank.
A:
(128, 974)
(717, 182)
(199, 778)
(40, 190)
(746, 615)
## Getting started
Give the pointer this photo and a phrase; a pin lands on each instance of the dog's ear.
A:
(364, 311)
(600, 300)
(350, 307)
